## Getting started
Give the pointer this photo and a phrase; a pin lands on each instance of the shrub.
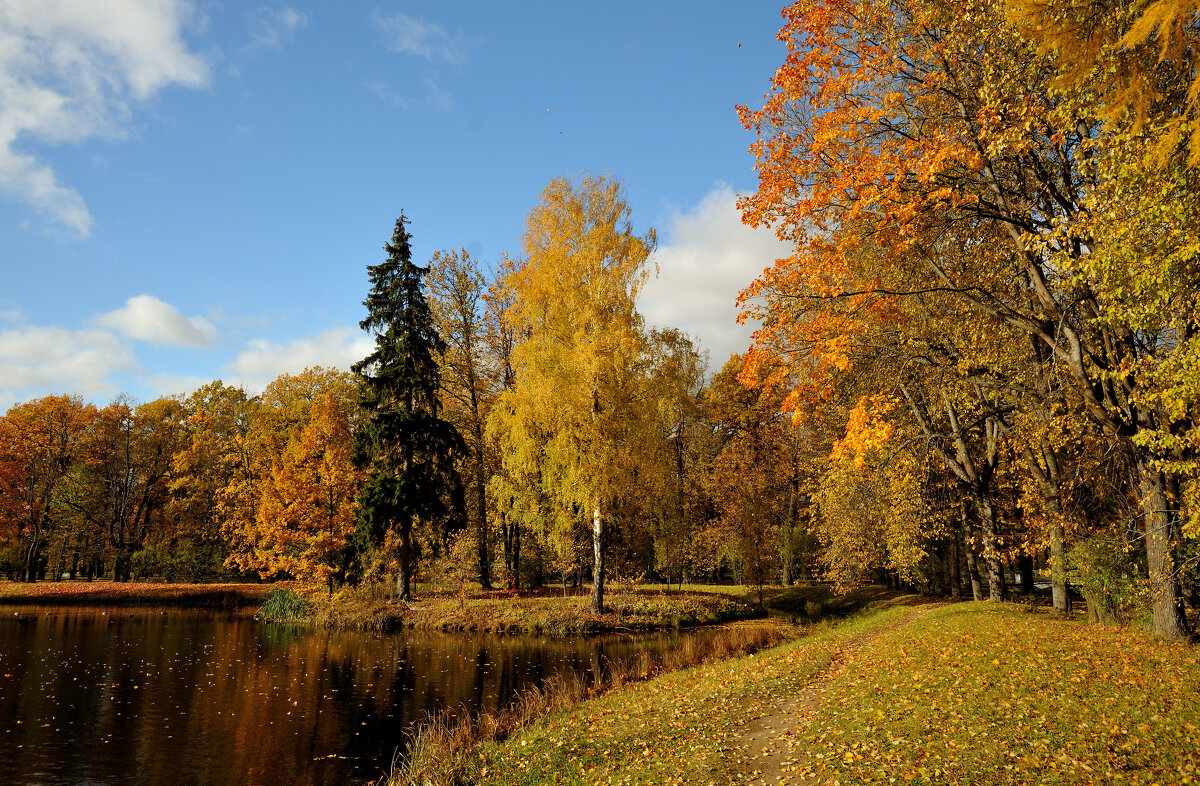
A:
(1107, 572)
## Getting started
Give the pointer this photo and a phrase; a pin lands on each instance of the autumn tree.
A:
(212, 467)
(936, 131)
(1138, 59)
(470, 377)
(122, 486)
(42, 443)
(308, 506)
(499, 337)
(242, 446)
(579, 359)
(676, 455)
(407, 450)
(755, 471)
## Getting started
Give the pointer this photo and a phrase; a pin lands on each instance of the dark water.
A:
(126, 696)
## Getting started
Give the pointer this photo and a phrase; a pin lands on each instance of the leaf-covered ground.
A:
(546, 613)
(963, 694)
(554, 615)
(130, 593)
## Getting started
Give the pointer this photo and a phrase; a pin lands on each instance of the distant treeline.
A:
(585, 438)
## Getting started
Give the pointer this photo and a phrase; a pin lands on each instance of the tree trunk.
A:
(121, 565)
(31, 559)
(515, 528)
(1058, 566)
(972, 563)
(955, 568)
(404, 564)
(1160, 521)
(991, 554)
(506, 539)
(1025, 566)
(485, 567)
(598, 563)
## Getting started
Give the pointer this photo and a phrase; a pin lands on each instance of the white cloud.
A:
(69, 71)
(382, 90)
(146, 318)
(708, 258)
(38, 360)
(261, 361)
(411, 36)
(272, 28)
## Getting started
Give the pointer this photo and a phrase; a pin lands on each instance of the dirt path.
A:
(773, 744)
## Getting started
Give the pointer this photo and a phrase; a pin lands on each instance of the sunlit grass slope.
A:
(963, 694)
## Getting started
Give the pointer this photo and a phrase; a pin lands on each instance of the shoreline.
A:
(77, 593)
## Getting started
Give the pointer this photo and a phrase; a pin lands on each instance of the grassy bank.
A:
(546, 614)
(664, 713)
(962, 694)
(444, 751)
(110, 593)
(553, 615)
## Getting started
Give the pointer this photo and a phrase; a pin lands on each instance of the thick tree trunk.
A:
(597, 563)
(972, 563)
(991, 554)
(31, 559)
(1048, 479)
(404, 565)
(1160, 522)
(1058, 563)
(1025, 567)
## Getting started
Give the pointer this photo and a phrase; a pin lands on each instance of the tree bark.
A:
(955, 567)
(598, 562)
(485, 560)
(1048, 480)
(1058, 566)
(31, 559)
(991, 554)
(404, 564)
(1160, 524)
(1025, 567)
(972, 564)
(516, 555)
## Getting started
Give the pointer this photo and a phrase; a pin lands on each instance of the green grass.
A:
(679, 728)
(986, 693)
(963, 694)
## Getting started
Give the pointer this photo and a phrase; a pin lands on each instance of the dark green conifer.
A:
(409, 452)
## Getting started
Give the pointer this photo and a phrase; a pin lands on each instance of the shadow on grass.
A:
(811, 603)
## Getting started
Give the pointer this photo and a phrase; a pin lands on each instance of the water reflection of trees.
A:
(197, 697)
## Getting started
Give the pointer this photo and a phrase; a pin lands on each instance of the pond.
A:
(139, 696)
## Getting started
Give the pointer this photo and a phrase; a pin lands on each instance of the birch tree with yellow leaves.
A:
(571, 417)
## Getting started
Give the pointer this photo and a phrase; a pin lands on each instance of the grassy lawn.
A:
(962, 694)
(981, 693)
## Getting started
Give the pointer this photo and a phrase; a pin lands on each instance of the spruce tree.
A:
(408, 451)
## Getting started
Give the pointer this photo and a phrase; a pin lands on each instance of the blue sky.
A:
(193, 190)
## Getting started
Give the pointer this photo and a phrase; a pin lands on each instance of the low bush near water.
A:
(284, 604)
